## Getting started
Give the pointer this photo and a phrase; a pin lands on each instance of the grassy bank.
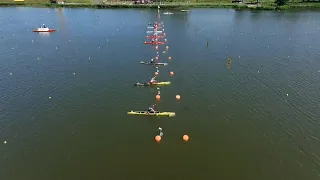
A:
(264, 5)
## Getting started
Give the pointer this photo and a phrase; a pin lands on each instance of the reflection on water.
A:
(46, 34)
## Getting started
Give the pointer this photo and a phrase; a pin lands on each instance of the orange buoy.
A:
(177, 97)
(157, 97)
(165, 40)
(157, 138)
(171, 73)
(156, 73)
(169, 58)
(157, 58)
(185, 138)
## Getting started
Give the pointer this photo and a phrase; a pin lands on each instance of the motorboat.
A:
(44, 28)
(167, 13)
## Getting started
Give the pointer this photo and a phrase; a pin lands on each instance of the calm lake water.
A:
(64, 96)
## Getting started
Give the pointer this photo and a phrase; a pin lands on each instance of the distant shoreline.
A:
(168, 6)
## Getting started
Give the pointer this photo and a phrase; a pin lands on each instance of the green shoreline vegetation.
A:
(170, 4)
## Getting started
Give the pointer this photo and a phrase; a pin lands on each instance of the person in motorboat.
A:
(44, 26)
(151, 109)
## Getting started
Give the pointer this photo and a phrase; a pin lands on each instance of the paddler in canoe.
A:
(153, 80)
(152, 61)
(151, 109)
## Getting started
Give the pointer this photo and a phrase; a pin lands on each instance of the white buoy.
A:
(5, 142)
(38, 58)
(10, 74)
(49, 97)
(89, 58)
(74, 73)
(258, 71)
(287, 94)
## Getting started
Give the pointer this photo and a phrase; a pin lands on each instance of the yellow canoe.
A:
(157, 113)
(155, 84)
(163, 83)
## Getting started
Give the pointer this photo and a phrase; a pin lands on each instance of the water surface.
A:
(64, 96)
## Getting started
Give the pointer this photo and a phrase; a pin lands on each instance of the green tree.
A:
(281, 2)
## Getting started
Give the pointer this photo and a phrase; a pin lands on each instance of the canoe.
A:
(157, 113)
(156, 64)
(155, 36)
(165, 83)
(154, 31)
(153, 42)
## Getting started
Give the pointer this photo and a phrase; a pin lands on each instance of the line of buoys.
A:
(158, 137)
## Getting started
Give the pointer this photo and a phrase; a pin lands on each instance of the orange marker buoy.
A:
(171, 73)
(185, 138)
(177, 97)
(156, 73)
(157, 138)
(169, 58)
(158, 97)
